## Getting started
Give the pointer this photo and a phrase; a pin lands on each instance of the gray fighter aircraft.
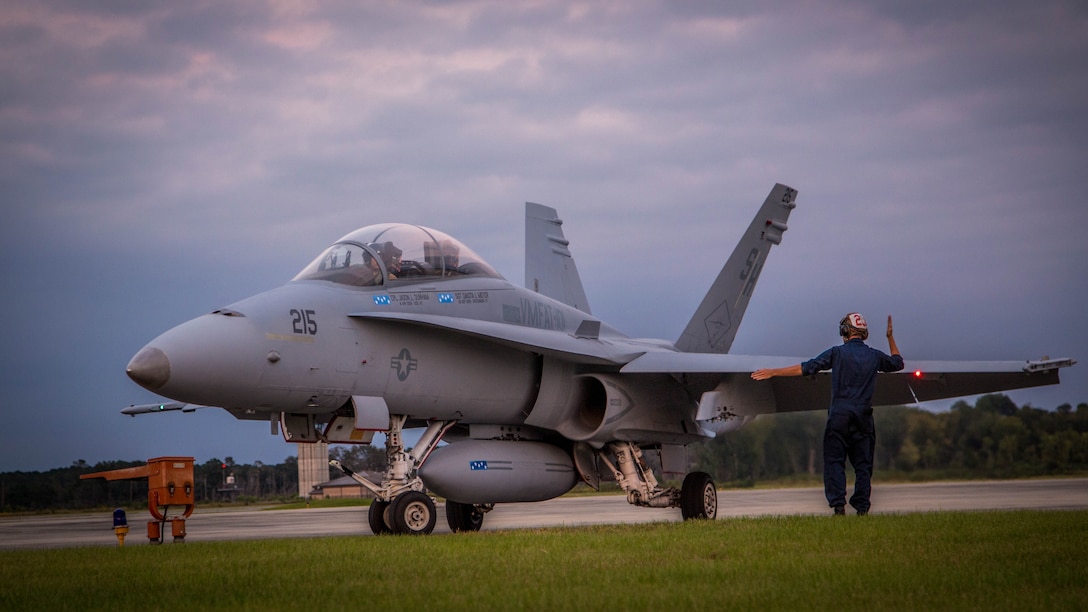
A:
(400, 326)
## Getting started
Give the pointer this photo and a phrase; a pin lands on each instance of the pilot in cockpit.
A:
(451, 254)
(390, 255)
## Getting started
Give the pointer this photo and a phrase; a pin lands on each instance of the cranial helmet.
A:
(387, 250)
(854, 323)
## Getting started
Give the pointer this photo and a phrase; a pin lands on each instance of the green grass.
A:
(991, 561)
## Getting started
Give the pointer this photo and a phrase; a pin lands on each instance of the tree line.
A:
(994, 438)
(213, 480)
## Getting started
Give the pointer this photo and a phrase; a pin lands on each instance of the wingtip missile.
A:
(1046, 364)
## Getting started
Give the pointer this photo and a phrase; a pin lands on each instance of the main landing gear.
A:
(697, 498)
(466, 517)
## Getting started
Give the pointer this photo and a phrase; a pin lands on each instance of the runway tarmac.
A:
(96, 529)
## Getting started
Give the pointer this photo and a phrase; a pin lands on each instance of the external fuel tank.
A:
(496, 471)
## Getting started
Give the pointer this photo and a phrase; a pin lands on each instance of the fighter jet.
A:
(520, 391)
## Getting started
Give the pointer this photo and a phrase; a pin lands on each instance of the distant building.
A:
(229, 490)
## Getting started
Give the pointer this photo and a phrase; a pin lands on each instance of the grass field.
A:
(991, 561)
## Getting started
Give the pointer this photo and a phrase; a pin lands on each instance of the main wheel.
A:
(412, 513)
(376, 518)
(463, 517)
(698, 497)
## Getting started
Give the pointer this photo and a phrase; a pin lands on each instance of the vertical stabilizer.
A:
(715, 323)
(549, 266)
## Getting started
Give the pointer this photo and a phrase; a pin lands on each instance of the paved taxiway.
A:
(50, 531)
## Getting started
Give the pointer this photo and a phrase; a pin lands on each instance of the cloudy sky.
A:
(159, 160)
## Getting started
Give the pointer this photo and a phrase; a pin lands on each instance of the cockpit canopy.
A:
(394, 252)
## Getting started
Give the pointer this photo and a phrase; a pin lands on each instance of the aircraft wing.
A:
(922, 381)
(919, 381)
(586, 350)
(664, 362)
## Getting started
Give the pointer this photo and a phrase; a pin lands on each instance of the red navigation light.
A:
(917, 373)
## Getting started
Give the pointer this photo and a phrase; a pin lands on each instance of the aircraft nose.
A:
(212, 360)
(149, 368)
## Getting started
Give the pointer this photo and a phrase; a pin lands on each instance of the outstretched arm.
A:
(891, 339)
(794, 370)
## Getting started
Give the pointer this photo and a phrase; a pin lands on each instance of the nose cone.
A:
(149, 368)
(212, 360)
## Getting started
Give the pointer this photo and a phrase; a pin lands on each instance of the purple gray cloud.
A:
(161, 160)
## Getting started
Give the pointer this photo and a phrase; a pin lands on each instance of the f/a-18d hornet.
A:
(400, 326)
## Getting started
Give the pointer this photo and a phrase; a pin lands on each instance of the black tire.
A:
(376, 518)
(463, 517)
(412, 513)
(698, 497)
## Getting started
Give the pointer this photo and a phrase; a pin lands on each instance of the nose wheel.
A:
(410, 513)
(376, 518)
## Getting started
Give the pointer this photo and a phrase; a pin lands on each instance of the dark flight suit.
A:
(850, 432)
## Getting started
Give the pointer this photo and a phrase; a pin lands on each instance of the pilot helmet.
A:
(387, 251)
(450, 254)
(854, 323)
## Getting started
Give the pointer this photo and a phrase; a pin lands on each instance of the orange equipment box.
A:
(169, 483)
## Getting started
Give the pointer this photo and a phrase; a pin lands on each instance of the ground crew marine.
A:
(850, 432)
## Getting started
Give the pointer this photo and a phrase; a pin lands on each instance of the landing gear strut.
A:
(399, 505)
(697, 498)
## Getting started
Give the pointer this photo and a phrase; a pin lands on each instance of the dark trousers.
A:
(850, 434)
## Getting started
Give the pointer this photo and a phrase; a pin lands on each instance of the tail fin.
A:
(549, 266)
(715, 323)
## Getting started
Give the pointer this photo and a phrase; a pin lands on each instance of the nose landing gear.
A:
(400, 506)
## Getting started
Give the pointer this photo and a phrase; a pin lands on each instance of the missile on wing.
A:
(1046, 364)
